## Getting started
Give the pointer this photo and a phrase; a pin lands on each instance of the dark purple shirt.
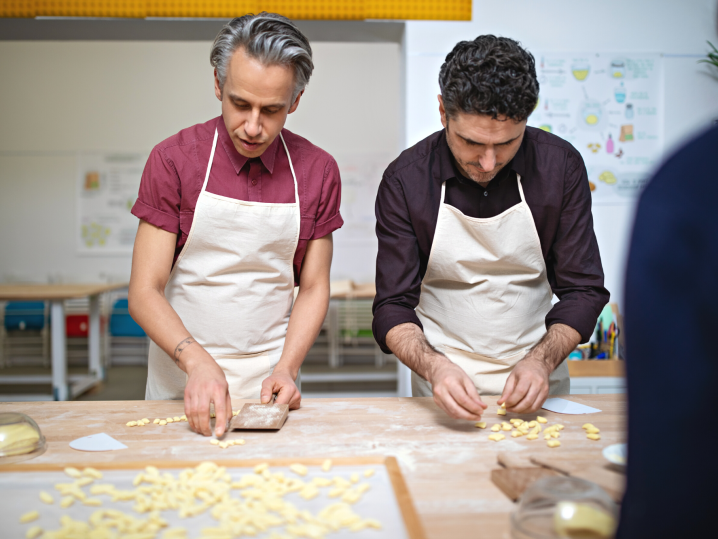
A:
(556, 188)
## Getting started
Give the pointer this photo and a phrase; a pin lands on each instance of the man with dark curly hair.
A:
(479, 225)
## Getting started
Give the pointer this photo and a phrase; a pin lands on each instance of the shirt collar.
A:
(237, 159)
(444, 168)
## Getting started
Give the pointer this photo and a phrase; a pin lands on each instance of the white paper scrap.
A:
(563, 406)
(97, 442)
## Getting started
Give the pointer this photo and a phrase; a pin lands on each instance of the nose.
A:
(488, 160)
(253, 126)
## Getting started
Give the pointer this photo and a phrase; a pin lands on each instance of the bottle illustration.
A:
(620, 93)
(609, 144)
(629, 111)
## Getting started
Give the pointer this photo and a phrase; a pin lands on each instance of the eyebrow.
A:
(483, 144)
(234, 97)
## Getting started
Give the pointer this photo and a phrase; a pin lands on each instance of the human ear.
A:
(296, 102)
(442, 111)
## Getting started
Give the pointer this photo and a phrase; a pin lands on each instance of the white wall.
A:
(678, 29)
(58, 98)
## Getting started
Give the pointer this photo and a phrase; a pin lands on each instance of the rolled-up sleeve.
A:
(574, 269)
(328, 217)
(158, 200)
(398, 279)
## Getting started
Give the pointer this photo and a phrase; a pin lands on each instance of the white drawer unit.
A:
(597, 385)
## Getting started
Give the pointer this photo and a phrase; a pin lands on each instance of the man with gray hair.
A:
(479, 225)
(234, 213)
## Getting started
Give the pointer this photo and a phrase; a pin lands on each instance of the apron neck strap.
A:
(211, 158)
(521, 189)
(291, 167)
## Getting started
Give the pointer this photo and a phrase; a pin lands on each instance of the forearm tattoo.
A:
(181, 346)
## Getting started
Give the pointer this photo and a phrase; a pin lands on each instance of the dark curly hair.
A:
(490, 75)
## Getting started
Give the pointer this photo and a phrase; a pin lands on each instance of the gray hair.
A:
(270, 38)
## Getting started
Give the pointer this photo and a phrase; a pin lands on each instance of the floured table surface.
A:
(447, 463)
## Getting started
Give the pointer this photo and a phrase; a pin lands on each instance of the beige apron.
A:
(485, 296)
(232, 286)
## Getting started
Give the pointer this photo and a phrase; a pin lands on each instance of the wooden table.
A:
(446, 462)
(62, 387)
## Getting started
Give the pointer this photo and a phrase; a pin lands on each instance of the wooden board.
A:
(514, 481)
(409, 518)
(601, 473)
(254, 416)
(446, 463)
(39, 292)
(591, 367)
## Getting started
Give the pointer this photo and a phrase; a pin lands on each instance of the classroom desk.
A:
(446, 462)
(63, 388)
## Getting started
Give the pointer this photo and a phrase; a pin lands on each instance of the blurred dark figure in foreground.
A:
(672, 351)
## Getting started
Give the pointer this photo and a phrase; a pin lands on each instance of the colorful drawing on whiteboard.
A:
(107, 188)
(608, 106)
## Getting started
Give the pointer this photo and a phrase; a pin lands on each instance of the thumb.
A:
(267, 391)
(508, 389)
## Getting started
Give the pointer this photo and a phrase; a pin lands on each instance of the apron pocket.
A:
(245, 373)
(489, 374)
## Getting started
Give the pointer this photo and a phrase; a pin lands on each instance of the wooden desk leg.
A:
(60, 389)
(93, 341)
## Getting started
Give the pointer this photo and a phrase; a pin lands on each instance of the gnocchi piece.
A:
(593, 436)
(309, 492)
(506, 426)
(496, 428)
(554, 434)
(145, 420)
(259, 468)
(84, 481)
(592, 430)
(524, 425)
(516, 434)
(34, 532)
(223, 445)
(214, 441)
(239, 442)
(354, 478)
(547, 435)
(131, 423)
(163, 422)
(92, 472)
(368, 473)
(533, 424)
(177, 419)
(560, 427)
(66, 501)
(516, 421)
(156, 421)
(532, 436)
(46, 498)
(29, 517)
(183, 417)
(92, 502)
(480, 425)
(326, 465)
(553, 443)
(587, 426)
(496, 437)
(299, 469)
(541, 419)
(169, 420)
(503, 406)
(501, 411)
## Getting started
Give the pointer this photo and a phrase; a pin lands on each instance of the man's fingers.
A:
(205, 426)
(450, 406)
(267, 391)
(523, 384)
(220, 412)
(524, 406)
(508, 389)
(540, 399)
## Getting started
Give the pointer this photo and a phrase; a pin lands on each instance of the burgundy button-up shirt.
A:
(175, 171)
(556, 188)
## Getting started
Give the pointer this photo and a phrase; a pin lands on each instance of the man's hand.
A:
(527, 387)
(206, 384)
(454, 392)
(528, 384)
(283, 385)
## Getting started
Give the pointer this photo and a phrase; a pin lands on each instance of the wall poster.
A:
(609, 106)
(107, 187)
